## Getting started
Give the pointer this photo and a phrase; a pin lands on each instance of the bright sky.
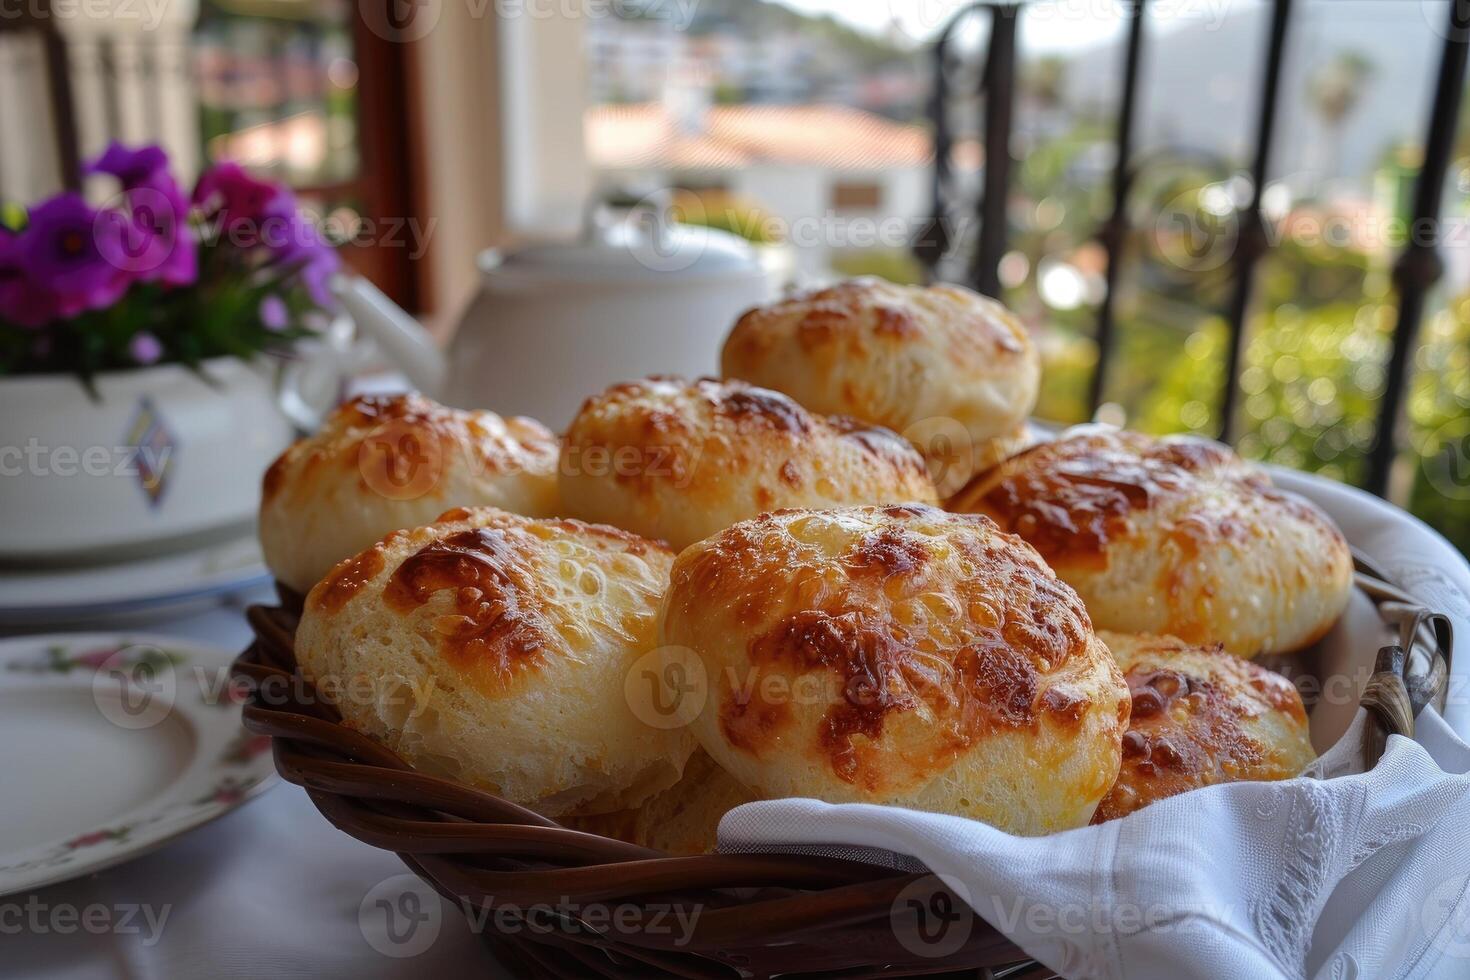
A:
(1051, 25)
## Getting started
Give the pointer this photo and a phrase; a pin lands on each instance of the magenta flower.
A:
(250, 212)
(157, 243)
(242, 206)
(67, 274)
(75, 254)
(21, 302)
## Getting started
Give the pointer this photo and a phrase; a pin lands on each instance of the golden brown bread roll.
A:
(381, 463)
(898, 655)
(491, 649)
(683, 819)
(1175, 535)
(1200, 716)
(678, 460)
(904, 357)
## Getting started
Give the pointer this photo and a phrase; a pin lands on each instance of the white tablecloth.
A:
(270, 890)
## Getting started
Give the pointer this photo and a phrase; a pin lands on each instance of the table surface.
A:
(271, 889)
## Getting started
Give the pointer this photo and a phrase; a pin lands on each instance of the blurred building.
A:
(823, 178)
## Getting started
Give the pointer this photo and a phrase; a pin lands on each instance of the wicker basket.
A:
(757, 915)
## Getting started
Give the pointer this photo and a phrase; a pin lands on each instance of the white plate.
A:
(148, 585)
(110, 745)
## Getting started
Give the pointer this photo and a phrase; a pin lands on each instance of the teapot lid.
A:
(648, 246)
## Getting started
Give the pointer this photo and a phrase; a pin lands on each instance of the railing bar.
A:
(1252, 241)
(1000, 94)
(932, 245)
(1419, 266)
(153, 84)
(1112, 234)
(111, 107)
(62, 98)
(943, 141)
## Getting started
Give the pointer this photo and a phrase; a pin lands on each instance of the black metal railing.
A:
(1417, 269)
(35, 20)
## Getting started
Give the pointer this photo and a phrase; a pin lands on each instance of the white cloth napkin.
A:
(1350, 877)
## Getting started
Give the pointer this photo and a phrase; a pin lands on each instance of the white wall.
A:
(799, 198)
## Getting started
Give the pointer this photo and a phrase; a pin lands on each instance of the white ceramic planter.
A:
(159, 458)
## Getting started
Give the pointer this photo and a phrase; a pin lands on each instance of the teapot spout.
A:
(402, 339)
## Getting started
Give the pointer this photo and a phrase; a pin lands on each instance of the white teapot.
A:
(553, 324)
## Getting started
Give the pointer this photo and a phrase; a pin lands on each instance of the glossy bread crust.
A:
(898, 655)
(1200, 716)
(678, 460)
(897, 356)
(385, 462)
(493, 649)
(1174, 535)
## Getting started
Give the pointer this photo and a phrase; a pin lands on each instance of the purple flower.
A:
(74, 254)
(241, 205)
(316, 276)
(314, 261)
(157, 244)
(131, 167)
(252, 212)
(21, 302)
(145, 348)
(273, 314)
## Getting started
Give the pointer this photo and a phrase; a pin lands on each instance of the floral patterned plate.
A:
(111, 745)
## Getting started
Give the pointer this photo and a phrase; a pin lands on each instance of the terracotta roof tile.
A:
(731, 137)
